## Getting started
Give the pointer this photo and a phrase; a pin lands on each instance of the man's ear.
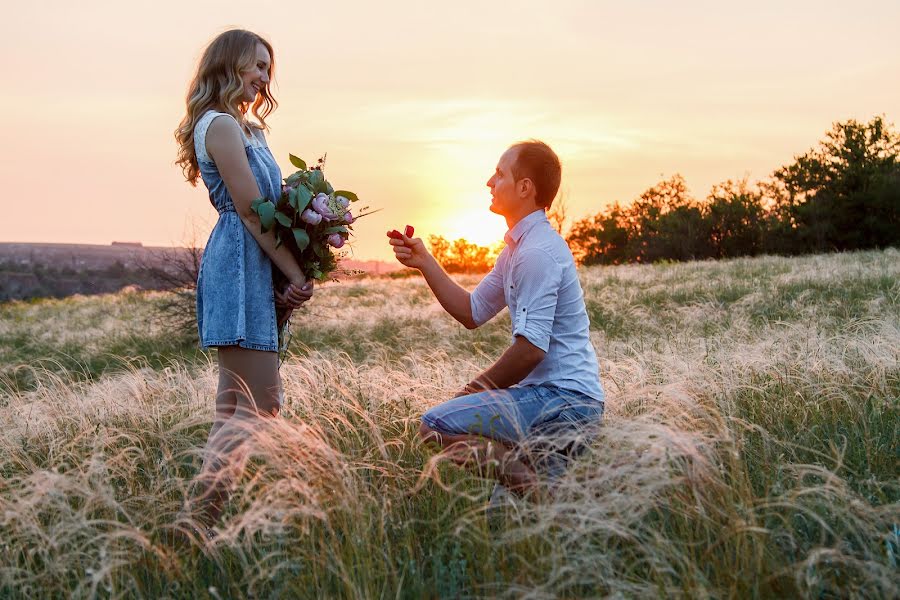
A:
(525, 187)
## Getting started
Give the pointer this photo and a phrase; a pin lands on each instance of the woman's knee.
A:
(254, 380)
(264, 402)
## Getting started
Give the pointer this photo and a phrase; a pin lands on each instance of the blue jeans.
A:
(545, 424)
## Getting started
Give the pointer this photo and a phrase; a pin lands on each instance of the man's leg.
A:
(483, 453)
(486, 429)
(555, 442)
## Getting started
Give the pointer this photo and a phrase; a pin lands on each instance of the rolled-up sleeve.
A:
(536, 277)
(487, 299)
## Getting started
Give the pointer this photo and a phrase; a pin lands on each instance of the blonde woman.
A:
(238, 311)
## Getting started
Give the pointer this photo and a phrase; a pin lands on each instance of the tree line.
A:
(843, 194)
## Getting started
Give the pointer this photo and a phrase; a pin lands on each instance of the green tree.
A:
(842, 192)
(667, 223)
(736, 219)
(602, 239)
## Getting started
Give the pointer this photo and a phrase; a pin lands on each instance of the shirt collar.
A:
(525, 225)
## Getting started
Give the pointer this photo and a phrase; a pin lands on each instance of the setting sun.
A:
(475, 223)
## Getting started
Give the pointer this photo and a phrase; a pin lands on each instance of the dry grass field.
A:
(749, 447)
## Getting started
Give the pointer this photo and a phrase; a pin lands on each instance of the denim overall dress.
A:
(235, 299)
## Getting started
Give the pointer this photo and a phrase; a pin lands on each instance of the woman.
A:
(236, 302)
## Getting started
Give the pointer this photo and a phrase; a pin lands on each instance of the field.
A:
(749, 447)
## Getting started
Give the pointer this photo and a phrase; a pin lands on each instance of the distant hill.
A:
(59, 270)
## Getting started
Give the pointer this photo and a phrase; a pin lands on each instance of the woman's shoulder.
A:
(206, 120)
(210, 127)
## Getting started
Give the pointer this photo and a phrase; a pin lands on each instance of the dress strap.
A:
(202, 127)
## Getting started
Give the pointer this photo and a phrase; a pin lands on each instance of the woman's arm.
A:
(225, 145)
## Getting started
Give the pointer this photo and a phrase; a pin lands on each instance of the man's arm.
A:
(513, 366)
(536, 277)
(454, 298)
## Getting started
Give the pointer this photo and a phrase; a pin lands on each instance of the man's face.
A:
(503, 186)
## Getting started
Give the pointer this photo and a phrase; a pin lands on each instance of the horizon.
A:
(414, 121)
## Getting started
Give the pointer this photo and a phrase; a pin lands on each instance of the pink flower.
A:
(348, 217)
(344, 202)
(336, 240)
(286, 188)
(320, 205)
(311, 217)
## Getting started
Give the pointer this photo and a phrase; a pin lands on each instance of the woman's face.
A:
(256, 77)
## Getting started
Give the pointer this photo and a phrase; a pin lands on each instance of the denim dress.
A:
(235, 298)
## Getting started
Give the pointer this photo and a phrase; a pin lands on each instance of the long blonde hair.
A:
(218, 85)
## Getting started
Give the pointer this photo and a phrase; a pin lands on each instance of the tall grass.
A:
(749, 449)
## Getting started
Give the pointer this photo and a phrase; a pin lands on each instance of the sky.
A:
(415, 101)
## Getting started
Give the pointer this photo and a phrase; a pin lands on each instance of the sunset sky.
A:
(414, 102)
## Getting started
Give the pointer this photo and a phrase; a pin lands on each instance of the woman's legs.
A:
(226, 401)
(249, 391)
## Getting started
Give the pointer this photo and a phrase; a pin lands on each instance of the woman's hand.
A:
(282, 314)
(294, 294)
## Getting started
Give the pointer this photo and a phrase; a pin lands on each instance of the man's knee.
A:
(427, 434)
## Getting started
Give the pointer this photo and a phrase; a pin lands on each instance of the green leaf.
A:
(348, 195)
(266, 212)
(304, 197)
(298, 162)
(295, 178)
(292, 198)
(301, 237)
(328, 188)
(254, 206)
(335, 229)
(283, 219)
(317, 180)
(318, 249)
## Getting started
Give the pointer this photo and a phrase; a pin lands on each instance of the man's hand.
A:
(470, 389)
(513, 366)
(410, 252)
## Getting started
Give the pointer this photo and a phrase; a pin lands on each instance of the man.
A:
(536, 404)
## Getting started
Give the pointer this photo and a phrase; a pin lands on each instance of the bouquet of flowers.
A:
(310, 218)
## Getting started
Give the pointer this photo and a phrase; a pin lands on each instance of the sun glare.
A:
(477, 225)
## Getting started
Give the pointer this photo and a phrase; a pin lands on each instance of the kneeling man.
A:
(542, 399)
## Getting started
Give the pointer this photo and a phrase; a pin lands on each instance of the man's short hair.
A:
(536, 161)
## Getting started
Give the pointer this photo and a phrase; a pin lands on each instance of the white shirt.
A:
(535, 276)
